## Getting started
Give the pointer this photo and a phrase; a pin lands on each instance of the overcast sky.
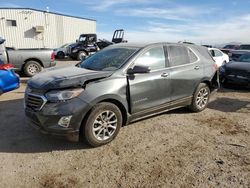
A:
(206, 22)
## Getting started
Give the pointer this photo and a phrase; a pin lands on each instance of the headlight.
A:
(75, 50)
(63, 95)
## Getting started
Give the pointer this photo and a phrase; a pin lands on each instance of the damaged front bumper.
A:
(47, 119)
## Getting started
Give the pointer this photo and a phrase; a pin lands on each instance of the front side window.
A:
(153, 58)
(178, 55)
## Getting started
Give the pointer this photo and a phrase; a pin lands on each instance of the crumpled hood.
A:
(65, 77)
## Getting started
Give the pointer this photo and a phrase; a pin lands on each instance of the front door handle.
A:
(196, 67)
(164, 75)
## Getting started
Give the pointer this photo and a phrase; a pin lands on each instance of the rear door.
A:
(151, 89)
(186, 71)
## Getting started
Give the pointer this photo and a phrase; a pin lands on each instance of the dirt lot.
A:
(175, 149)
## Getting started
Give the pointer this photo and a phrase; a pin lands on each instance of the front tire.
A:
(81, 55)
(32, 68)
(102, 125)
(201, 98)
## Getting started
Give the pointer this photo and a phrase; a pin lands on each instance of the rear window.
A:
(245, 47)
(178, 55)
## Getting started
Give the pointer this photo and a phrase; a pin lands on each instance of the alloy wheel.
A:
(202, 98)
(104, 125)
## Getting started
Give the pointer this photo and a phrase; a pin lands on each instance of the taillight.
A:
(52, 56)
(6, 66)
(216, 67)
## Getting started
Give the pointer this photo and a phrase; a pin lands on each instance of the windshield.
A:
(245, 58)
(229, 47)
(109, 59)
(82, 38)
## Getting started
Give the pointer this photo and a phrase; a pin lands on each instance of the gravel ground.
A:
(175, 149)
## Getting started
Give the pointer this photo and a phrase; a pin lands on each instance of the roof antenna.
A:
(47, 9)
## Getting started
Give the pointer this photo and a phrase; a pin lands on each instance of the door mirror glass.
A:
(138, 69)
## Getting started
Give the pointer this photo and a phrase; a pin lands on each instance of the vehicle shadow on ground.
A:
(224, 104)
(17, 137)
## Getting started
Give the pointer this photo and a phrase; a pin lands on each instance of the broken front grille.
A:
(35, 102)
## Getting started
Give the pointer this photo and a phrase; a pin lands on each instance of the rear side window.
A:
(192, 57)
(178, 55)
(244, 47)
(154, 58)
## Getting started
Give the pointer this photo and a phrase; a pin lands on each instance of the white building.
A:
(31, 28)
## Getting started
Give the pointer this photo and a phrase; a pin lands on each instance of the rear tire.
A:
(201, 98)
(102, 125)
(32, 68)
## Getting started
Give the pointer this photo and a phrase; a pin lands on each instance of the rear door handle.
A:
(164, 75)
(196, 67)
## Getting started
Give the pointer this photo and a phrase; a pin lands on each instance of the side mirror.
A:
(140, 69)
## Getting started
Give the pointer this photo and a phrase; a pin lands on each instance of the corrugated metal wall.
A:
(58, 29)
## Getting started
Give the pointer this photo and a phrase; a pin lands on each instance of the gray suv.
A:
(118, 85)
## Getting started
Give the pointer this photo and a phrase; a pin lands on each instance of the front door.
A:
(150, 89)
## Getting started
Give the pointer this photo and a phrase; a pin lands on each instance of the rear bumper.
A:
(49, 64)
(53, 63)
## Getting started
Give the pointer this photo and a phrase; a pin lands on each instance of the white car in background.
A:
(219, 57)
